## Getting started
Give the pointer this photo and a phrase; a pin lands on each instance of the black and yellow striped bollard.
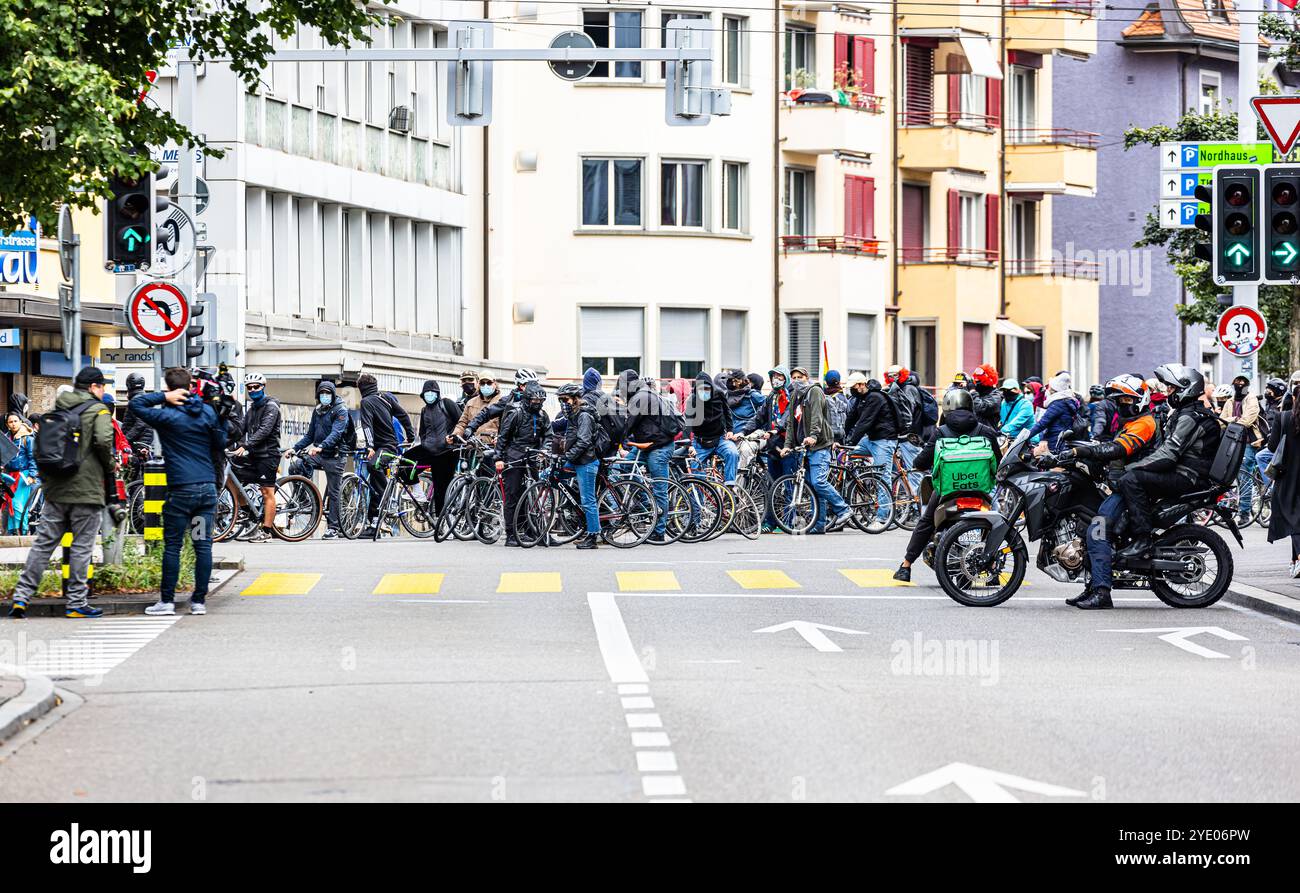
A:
(67, 568)
(155, 494)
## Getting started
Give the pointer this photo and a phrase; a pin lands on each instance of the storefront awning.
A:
(42, 314)
(1011, 330)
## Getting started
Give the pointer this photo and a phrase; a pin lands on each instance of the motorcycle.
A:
(981, 560)
(948, 512)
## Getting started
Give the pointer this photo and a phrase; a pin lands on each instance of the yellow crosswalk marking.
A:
(536, 581)
(647, 581)
(754, 579)
(409, 584)
(872, 578)
(282, 584)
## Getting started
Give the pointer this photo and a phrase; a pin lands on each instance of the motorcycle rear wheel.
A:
(968, 585)
(1191, 535)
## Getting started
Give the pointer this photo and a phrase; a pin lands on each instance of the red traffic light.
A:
(1236, 194)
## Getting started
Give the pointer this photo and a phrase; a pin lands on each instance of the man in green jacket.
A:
(74, 503)
(808, 424)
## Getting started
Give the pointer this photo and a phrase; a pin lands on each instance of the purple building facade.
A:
(1150, 67)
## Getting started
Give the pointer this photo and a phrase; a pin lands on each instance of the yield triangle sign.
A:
(1280, 116)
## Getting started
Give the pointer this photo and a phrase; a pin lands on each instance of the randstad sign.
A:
(18, 256)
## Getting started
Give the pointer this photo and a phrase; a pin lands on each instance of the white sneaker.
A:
(876, 526)
(161, 609)
(198, 608)
(1295, 569)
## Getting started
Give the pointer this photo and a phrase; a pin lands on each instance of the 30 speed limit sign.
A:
(1242, 331)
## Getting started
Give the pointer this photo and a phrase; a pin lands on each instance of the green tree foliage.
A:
(71, 72)
(1276, 302)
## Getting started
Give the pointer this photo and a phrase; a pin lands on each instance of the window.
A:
(735, 189)
(735, 339)
(1024, 103)
(798, 202)
(683, 342)
(855, 63)
(921, 351)
(627, 34)
(1023, 250)
(611, 339)
(606, 177)
(1081, 357)
(1021, 357)
(972, 344)
(804, 342)
(972, 223)
(666, 17)
(859, 208)
(861, 333)
(918, 85)
(735, 50)
(681, 193)
(973, 109)
(800, 57)
(1215, 10)
(1210, 86)
(916, 217)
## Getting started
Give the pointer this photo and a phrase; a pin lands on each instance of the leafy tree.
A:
(71, 72)
(1280, 304)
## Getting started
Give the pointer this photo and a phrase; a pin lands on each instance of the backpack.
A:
(929, 408)
(349, 442)
(58, 440)
(903, 410)
(1228, 454)
(612, 423)
(398, 431)
(965, 463)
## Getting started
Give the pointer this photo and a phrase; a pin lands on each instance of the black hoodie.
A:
(708, 421)
(871, 416)
(378, 409)
(437, 420)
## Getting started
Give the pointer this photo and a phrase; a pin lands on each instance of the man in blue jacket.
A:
(190, 431)
(323, 447)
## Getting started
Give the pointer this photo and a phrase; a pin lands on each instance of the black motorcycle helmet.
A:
(1186, 384)
(958, 398)
(134, 383)
(1275, 388)
(1096, 392)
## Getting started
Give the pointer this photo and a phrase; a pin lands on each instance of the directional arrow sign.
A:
(1285, 252)
(1280, 116)
(1178, 637)
(812, 633)
(1238, 253)
(981, 785)
(132, 237)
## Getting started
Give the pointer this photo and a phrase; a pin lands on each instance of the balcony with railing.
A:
(833, 271)
(948, 283)
(1057, 295)
(930, 140)
(853, 246)
(818, 122)
(1041, 26)
(1054, 160)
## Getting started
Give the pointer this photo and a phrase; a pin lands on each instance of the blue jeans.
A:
(656, 463)
(586, 475)
(730, 458)
(819, 470)
(882, 457)
(1246, 481)
(1101, 548)
(189, 509)
(909, 451)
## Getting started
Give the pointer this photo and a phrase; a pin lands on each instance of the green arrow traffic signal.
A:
(131, 238)
(1286, 252)
(1237, 253)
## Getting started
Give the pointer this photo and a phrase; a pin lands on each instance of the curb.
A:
(37, 699)
(1244, 595)
(117, 604)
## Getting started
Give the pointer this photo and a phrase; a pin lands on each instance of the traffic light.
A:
(1282, 222)
(128, 225)
(194, 331)
(1235, 208)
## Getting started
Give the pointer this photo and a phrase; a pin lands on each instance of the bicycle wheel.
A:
(479, 490)
(704, 506)
(870, 498)
(223, 525)
(627, 513)
(677, 516)
(727, 505)
(135, 506)
(488, 526)
(533, 514)
(907, 505)
(747, 519)
(416, 508)
(794, 504)
(297, 508)
(452, 507)
(354, 496)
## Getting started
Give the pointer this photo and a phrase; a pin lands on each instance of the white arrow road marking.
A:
(812, 633)
(980, 784)
(1178, 637)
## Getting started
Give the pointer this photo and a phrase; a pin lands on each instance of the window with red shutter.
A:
(864, 64)
(954, 98)
(841, 59)
(914, 202)
(954, 223)
(859, 208)
(993, 101)
(992, 226)
(918, 74)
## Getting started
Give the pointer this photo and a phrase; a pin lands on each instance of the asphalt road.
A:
(655, 674)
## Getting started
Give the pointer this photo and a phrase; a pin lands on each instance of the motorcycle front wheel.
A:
(965, 579)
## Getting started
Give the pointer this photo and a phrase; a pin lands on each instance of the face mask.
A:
(430, 397)
(256, 395)
(488, 390)
(534, 408)
(326, 399)
(778, 382)
(705, 393)
(469, 388)
(1239, 390)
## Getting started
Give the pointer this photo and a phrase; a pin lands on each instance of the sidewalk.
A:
(23, 698)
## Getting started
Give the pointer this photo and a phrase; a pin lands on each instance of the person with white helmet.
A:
(257, 458)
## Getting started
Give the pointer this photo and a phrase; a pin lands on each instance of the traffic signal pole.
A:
(1247, 87)
(186, 190)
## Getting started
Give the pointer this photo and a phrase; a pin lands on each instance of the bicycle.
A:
(354, 497)
(466, 492)
(908, 505)
(740, 512)
(794, 502)
(677, 515)
(239, 508)
(862, 485)
(407, 498)
(551, 507)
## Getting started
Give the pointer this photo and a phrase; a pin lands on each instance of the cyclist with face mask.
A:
(709, 422)
(488, 395)
(525, 427)
(438, 418)
(257, 458)
(322, 448)
(491, 415)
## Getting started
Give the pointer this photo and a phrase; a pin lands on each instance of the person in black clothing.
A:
(134, 428)
(652, 429)
(1181, 463)
(468, 387)
(322, 447)
(257, 458)
(1103, 414)
(378, 411)
(437, 419)
(986, 396)
(525, 427)
(871, 419)
(709, 422)
(958, 418)
(580, 453)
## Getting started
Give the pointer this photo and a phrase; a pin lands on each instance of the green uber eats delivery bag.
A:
(963, 464)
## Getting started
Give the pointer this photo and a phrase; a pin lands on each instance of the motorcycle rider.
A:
(525, 427)
(1181, 462)
(1136, 435)
(323, 447)
(257, 458)
(958, 418)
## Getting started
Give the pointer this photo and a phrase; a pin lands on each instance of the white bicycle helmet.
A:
(255, 378)
(523, 376)
(1223, 392)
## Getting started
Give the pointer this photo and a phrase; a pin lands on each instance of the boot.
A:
(1099, 599)
(588, 542)
(1136, 549)
(903, 574)
(1082, 596)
